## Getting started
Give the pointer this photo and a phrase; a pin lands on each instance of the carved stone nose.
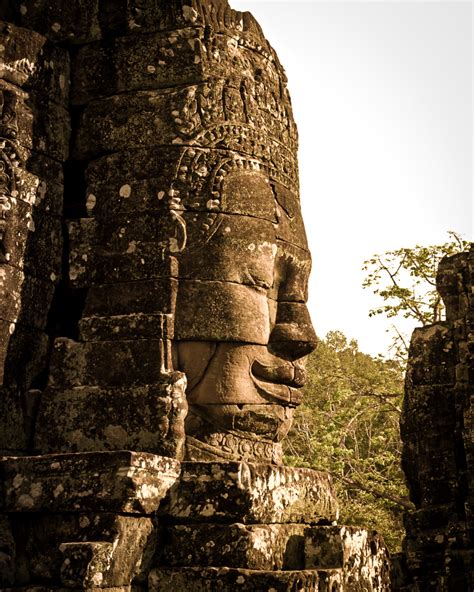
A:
(292, 350)
(293, 336)
(292, 341)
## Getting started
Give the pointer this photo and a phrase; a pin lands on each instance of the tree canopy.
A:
(405, 280)
(349, 426)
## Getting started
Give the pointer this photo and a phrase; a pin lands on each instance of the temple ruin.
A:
(153, 325)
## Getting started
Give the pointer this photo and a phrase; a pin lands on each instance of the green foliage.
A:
(349, 426)
(405, 279)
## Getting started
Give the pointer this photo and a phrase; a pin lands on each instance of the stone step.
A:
(83, 549)
(121, 481)
(251, 493)
(224, 579)
(360, 554)
(253, 546)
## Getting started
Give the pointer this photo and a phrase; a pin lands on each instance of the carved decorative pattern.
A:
(229, 446)
(200, 171)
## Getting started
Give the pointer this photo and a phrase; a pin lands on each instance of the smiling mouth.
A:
(281, 382)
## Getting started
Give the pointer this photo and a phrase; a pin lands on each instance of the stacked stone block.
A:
(246, 526)
(438, 440)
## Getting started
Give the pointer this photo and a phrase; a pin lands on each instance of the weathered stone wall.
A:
(437, 431)
(34, 144)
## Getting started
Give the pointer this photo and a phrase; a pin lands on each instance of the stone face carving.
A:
(170, 324)
(191, 245)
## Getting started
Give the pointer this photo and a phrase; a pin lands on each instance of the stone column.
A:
(34, 143)
(437, 432)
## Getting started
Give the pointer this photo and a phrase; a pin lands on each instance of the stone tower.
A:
(153, 325)
(437, 431)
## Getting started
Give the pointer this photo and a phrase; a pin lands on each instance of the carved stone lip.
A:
(282, 373)
(282, 393)
(282, 382)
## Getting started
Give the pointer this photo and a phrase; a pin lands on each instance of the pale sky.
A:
(382, 96)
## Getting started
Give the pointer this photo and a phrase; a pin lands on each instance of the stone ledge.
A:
(360, 554)
(54, 547)
(210, 579)
(255, 546)
(120, 481)
(250, 493)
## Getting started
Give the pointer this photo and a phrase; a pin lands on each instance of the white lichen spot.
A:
(160, 194)
(91, 201)
(36, 490)
(31, 225)
(11, 328)
(97, 578)
(55, 466)
(148, 491)
(212, 204)
(161, 63)
(227, 229)
(132, 247)
(26, 501)
(56, 27)
(240, 580)
(17, 481)
(84, 522)
(125, 191)
(62, 81)
(151, 69)
(23, 9)
(190, 14)
(177, 141)
(197, 59)
(251, 247)
(59, 489)
(208, 510)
